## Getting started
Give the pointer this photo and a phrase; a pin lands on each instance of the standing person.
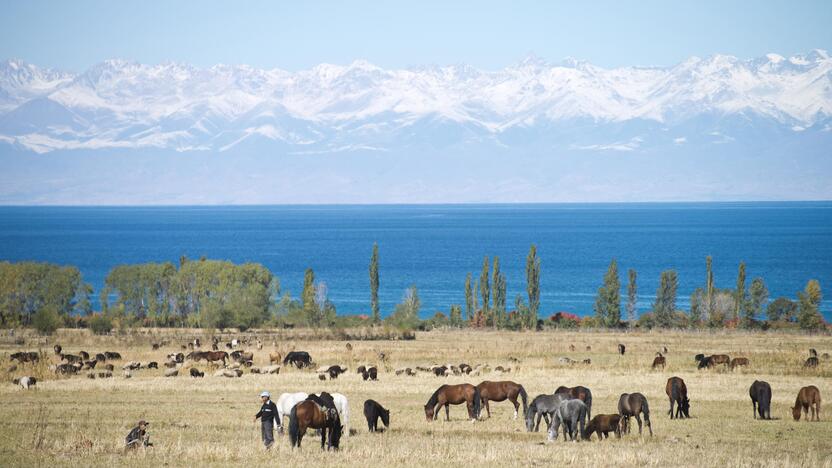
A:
(138, 436)
(267, 415)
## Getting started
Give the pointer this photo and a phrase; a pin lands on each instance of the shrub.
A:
(46, 320)
(101, 324)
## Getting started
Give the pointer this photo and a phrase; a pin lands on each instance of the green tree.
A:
(456, 315)
(498, 281)
(808, 307)
(46, 320)
(406, 313)
(374, 285)
(781, 308)
(101, 324)
(485, 289)
(308, 296)
(632, 296)
(697, 306)
(740, 293)
(469, 299)
(710, 293)
(665, 306)
(533, 285)
(757, 298)
(608, 300)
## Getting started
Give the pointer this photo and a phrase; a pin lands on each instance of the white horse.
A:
(287, 401)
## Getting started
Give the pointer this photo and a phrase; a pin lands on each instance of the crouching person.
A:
(138, 436)
(267, 415)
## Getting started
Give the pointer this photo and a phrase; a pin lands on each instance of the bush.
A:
(101, 324)
(46, 320)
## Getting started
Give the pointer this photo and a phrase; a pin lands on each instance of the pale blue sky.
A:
(489, 35)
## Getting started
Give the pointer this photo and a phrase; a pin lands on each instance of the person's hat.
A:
(265, 394)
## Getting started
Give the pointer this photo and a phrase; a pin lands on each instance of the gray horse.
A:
(633, 404)
(544, 406)
(572, 414)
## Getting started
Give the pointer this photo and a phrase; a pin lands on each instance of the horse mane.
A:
(434, 399)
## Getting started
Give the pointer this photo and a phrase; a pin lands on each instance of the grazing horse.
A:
(500, 391)
(658, 361)
(454, 395)
(372, 411)
(581, 393)
(602, 425)
(811, 362)
(631, 404)
(316, 414)
(571, 414)
(677, 392)
(621, 349)
(760, 393)
(738, 362)
(544, 406)
(213, 356)
(299, 359)
(699, 357)
(720, 359)
(807, 397)
(287, 400)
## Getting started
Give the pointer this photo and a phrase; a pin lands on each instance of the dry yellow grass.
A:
(205, 422)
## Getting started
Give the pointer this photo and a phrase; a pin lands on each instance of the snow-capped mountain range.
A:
(362, 107)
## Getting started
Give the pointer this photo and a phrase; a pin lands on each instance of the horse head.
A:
(429, 412)
(530, 417)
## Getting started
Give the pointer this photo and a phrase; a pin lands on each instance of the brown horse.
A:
(212, 356)
(720, 359)
(602, 425)
(738, 362)
(807, 397)
(313, 414)
(677, 392)
(500, 391)
(633, 404)
(454, 395)
(659, 361)
(580, 393)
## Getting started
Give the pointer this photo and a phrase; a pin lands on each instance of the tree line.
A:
(220, 294)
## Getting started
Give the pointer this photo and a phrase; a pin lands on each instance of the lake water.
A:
(434, 246)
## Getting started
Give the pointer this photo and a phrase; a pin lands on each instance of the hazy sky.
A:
(490, 35)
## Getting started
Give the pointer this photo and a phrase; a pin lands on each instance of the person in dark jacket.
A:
(138, 436)
(268, 415)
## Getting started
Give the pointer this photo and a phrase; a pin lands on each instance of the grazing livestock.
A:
(543, 406)
(334, 371)
(634, 404)
(621, 349)
(90, 364)
(360, 370)
(464, 368)
(720, 359)
(315, 415)
(275, 358)
(439, 371)
(677, 392)
(242, 356)
(71, 358)
(25, 382)
(67, 368)
(152, 365)
(658, 361)
(196, 373)
(699, 357)
(811, 362)
(705, 363)
(105, 375)
(572, 348)
(170, 364)
(373, 411)
(807, 397)
(132, 365)
(579, 392)
(109, 367)
(571, 414)
(57, 348)
(566, 361)
(760, 393)
(447, 395)
(84, 355)
(602, 425)
(299, 359)
(321, 377)
(101, 357)
(112, 355)
(739, 362)
(274, 369)
(813, 352)
(284, 406)
(500, 391)
(171, 372)
(371, 373)
(405, 371)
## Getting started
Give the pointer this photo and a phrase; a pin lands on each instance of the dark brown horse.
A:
(677, 392)
(500, 391)
(320, 414)
(580, 393)
(602, 425)
(658, 361)
(720, 359)
(807, 397)
(447, 395)
(633, 404)
(760, 393)
(739, 362)
(811, 362)
(213, 356)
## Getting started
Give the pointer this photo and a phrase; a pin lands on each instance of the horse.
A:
(721, 359)
(621, 349)
(299, 359)
(658, 361)
(677, 392)
(372, 411)
(571, 414)
(602, 425)
(699, 357)
(760, 393)
(286, 401)
(811, 362)
(579, 392)
(212, 356)
(807, 397)
(705, 362)
(631, 404)
(739, 361)
(544, 406)
(454, 395)
(500, 391)
(315, 413)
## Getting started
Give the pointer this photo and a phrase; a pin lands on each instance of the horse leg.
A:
(754, 408)
(488, 408)
(638, 419)
(447, 412)
(671, 408)
(516, 405)
(647, 421)
(323, 437)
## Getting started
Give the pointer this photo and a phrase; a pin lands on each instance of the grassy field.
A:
(205, 422)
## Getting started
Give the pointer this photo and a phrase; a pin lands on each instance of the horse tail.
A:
(477, 402)
(588, 404)
(581, 418)
(645, 408)
(525, 398)
(294, 430)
